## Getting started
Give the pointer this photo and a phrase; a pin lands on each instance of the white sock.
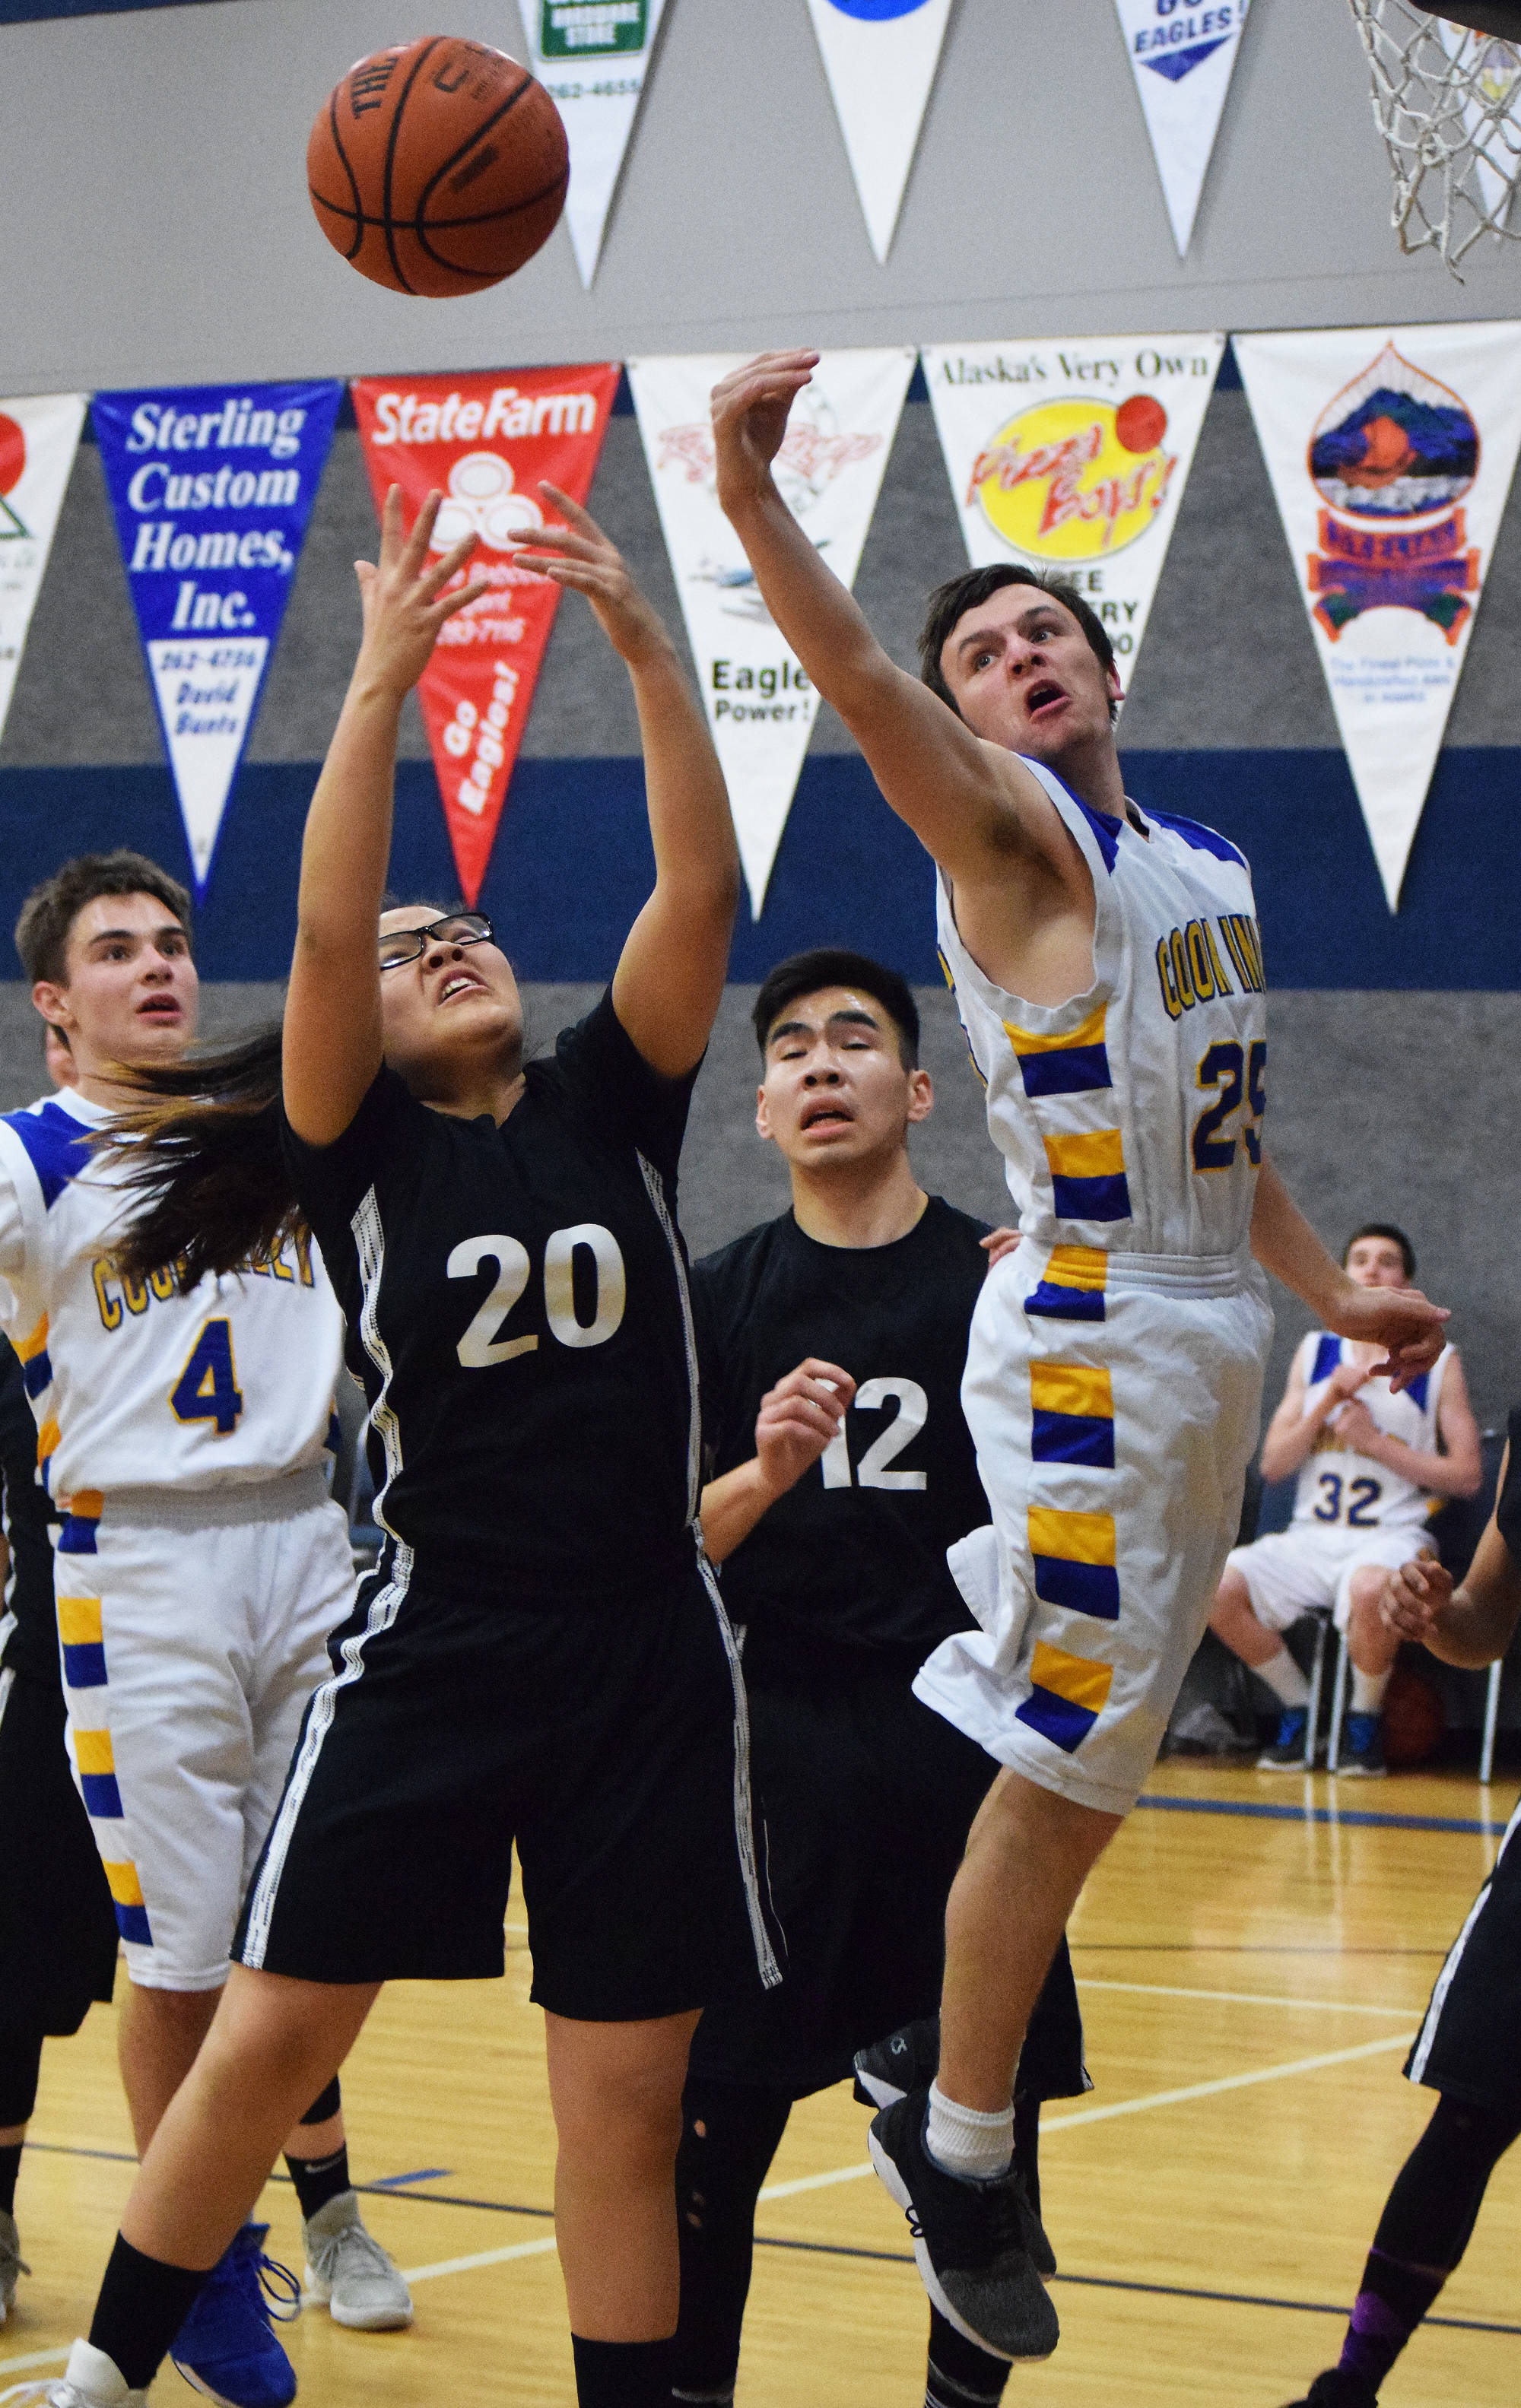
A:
(1368, 1691)
(964, 2141)
(1284, 1678)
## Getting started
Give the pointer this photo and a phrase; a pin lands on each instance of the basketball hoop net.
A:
(1446, 102)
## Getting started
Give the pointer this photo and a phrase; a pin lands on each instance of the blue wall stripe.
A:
(573, 863)
(32, 12)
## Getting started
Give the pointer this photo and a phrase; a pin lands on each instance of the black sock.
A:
(21, 2062)
(319, 2179)
(729, 2135)
(623, 2373)
(141, 2307)
(960, 2375)
(10, 2166)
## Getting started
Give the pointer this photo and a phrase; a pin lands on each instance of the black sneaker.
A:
(906, 2060)
(1286, 1753)
(1336, 2388)
(1362, 1749)
(968, 2240)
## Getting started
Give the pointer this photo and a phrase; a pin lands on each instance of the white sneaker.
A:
(348, 2270)
(90, 2380)
(11, 2263)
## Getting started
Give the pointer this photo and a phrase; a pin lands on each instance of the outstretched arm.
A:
(1470, 1626)
(331, 1044)
(1398, 1319)
(964, 799)
(669, 979)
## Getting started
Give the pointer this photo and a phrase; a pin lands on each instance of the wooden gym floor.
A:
(1249, 1981)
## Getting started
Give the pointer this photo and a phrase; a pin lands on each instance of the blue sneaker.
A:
(1286, 1753)
(226, 2347)
(1362, 1748)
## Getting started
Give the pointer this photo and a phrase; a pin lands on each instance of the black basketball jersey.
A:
(853, 1556)
(29, 1627)
(519, 1318)
(1508, 1503)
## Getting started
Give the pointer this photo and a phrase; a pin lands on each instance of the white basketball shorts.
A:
(1302, 1569)
(1114, 1400)
(193, 1627)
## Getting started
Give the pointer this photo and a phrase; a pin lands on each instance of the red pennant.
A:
(485, 442)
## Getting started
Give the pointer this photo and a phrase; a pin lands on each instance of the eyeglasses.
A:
(461, 928)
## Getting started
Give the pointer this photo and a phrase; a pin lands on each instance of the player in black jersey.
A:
(57, 1923)
(540, 1656)
(1469, 2047)
(834, 1341)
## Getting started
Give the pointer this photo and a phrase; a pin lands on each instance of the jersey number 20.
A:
(482, 1344)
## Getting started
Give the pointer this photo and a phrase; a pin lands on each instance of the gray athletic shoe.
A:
(909, 2060)
(967, 2241)
(348, 2270)
(11, 2263)
(90, 2380)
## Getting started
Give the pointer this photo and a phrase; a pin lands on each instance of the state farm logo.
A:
(483, 501)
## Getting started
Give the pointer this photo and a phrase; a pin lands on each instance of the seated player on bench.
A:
(1373, 1469)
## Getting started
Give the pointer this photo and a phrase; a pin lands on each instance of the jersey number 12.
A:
(872, 1472)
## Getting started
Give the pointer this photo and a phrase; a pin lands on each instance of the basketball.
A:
(438, 166)
(1140, 423)
(1414, 1719)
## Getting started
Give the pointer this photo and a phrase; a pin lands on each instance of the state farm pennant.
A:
(1391, 456)
(1074, 455)
(1182, 59)
(879, 57)
(485, 442)
(211, 487)
(592, 57)
(38, 438)
(760, 706)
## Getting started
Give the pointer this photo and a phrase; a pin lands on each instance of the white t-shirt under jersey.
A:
(134, 1384)
(1340, 1490)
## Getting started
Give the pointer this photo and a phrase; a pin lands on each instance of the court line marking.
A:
(480, 2258)
(1360, 1818)
(37, 2357)
(1249, 1997)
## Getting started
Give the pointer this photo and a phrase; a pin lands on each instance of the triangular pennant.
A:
(1073, 456)
(212, 488)
(592, 57)
(1183, 60)
(879, 57)
(760, 706)
(38, 437)
(1391, 456)
(485, 440)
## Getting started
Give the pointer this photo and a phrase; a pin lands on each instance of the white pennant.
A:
(592, 57)
(206, 696)
(38, 438)
(1391, 456)
(760, 706)
(1182, 57)
(1073, 456)
(879, 57)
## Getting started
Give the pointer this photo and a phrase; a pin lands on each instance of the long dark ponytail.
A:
(203, 1153)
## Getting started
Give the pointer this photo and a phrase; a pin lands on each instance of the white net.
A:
(1448, 105)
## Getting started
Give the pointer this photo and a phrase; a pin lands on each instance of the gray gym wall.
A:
(157, 231)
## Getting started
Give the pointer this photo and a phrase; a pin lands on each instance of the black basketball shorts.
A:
(868, 1797)
(58, 1936)
(609, 1743)
(1470, 2044)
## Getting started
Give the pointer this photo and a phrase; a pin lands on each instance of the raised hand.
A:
(580, 555)
(403, 599)
(1413, 1597)
(750, 418)
(1410, 1328)
(797, 1419)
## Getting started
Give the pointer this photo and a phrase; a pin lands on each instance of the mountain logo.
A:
(1393, 444)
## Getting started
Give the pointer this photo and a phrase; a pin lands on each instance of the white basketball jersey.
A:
(134, 1384)
(1340, 1490)
(1130, 1118)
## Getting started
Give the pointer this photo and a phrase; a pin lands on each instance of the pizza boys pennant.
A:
(211, 487)
(1391, 454)
(38, 438)
(484, 441)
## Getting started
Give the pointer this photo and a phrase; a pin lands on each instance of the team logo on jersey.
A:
(1390, 456)
(1075, 479)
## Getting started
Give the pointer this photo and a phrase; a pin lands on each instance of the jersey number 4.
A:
(872, 1472)
(207, 1389)
(1225, 1066)
(482, 1344)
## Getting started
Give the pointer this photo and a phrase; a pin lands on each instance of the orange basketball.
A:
(1414, 1718)
(438, 166)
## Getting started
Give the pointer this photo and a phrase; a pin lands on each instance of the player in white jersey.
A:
(201, 1563)
(1374, 1466)
(1108, 976)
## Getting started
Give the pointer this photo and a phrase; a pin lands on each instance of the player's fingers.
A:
(415, 549)
(432, 583)
(466, 594)
(577, 515)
